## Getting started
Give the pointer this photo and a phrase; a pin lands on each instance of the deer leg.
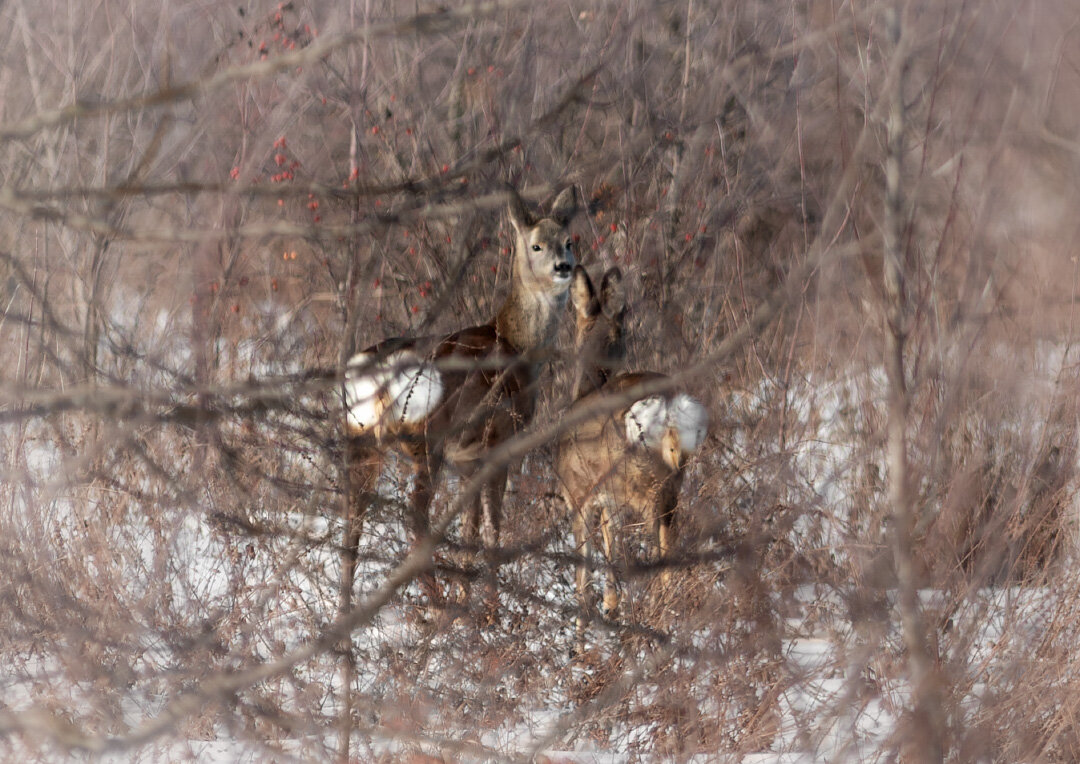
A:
(480, 523)
(665, 538)
(364, 465)
(427, 467)
(470, 534)
(491, 501)
(471, 519)
(583, 549)
(607, 532)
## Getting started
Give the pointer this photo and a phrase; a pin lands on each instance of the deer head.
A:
(544, 254)
(542, 267)
(599, 335)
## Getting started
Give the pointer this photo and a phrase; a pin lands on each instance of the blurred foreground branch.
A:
(927, 706)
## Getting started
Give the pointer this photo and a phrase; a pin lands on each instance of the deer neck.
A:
(588, 379)
(529, 319)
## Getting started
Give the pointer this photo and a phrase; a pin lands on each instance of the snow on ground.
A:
(834, 704)
(824, 713)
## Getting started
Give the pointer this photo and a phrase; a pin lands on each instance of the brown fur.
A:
(489, 374)
(603, 478)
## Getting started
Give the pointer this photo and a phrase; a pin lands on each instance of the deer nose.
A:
(563, 269)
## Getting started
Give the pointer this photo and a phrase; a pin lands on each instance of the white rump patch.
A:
(650, 418)
(399, 388)
(646, 421)
(690, 418)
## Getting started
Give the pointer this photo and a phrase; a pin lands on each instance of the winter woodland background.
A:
(200, 200)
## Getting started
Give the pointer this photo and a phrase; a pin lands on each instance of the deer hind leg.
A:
(364, 464)
(473, 517)
(427, 465)
(583, 549)
(612, 555)
(363, 467)
(492, 494)
(665, 538)
(664, 510)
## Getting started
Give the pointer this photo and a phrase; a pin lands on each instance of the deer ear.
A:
(519, 212)
(565, 206)
(612, 293)
(583, 294)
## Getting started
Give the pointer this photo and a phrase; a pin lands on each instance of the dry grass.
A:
(173, 258)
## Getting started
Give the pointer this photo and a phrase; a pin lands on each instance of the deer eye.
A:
(569, 244)
(537, 247)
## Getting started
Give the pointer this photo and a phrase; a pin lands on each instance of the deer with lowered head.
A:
(451, 399)
(616, 467)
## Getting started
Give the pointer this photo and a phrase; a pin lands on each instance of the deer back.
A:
(635, 454)
(474, 388)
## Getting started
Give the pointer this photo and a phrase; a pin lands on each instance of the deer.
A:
(451, 399)
(630, 463)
